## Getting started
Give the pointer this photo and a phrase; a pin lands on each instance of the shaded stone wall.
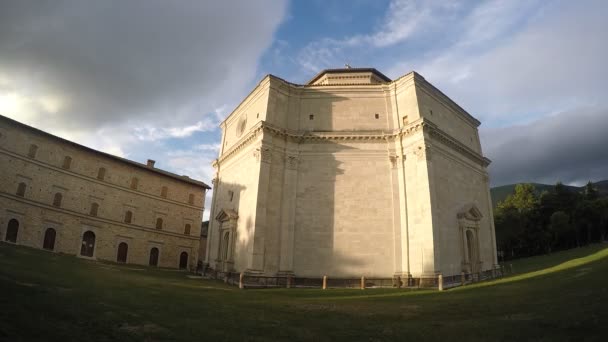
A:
(46, 175)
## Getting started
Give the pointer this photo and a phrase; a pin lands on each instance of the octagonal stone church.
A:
(351, 174)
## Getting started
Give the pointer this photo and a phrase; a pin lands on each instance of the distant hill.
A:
(500, 193)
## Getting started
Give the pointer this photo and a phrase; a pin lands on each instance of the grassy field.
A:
(50, 297)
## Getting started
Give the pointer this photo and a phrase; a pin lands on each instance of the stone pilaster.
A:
(263, 154)
(288, 213)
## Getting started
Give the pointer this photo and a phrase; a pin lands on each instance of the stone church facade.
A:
(350, 175)
(63, 197)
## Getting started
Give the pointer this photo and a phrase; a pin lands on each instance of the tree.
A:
(560, 227)
(590, 192)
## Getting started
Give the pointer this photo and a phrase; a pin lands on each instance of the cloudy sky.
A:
(153, 79)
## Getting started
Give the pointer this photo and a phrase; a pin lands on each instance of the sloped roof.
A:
(184, 179)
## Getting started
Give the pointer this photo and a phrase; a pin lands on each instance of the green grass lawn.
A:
(50, 297)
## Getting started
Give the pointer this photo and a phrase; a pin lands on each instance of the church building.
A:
(351, 174)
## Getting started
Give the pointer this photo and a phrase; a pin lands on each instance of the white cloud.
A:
(124, 77)
(403, 19)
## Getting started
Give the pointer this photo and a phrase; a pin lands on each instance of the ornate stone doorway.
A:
(468, 222)
(227, 221)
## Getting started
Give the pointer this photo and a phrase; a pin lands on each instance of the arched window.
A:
(163, 192)
(88, 244)
(183, 260)
(159, 223)
(49, 239)
(67, 162)
(33, 150)
(57, 199)
(21, 189)
(134, 183)
(128, 216)
(153, 257)
(94, 209)
(187, 229)
(12, 230)
(191, 199)
(123, 249)
(101, 173)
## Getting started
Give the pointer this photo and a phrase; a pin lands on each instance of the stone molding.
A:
(92, 179)
(420, 125)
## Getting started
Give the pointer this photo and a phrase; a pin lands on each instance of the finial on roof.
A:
(347, 66)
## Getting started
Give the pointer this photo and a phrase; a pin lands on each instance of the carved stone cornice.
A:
(420, 125)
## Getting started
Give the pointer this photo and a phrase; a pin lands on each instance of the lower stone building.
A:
(64, 197)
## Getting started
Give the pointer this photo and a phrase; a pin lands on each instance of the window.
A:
(57, 200)
(311, 117)
(67, 162)
(377, 116)
(187, 229)
(49, 239)
(159, 223)
(405, 120)
(33, 150)
(163, 192)
(94, 209)
(12, 230)
(128, 216)
(21, 189)
(191, 199)
(134, 183)
(230, 195)
(101, 173)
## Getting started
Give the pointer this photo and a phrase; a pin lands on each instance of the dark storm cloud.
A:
(571, 147)
(138, 59)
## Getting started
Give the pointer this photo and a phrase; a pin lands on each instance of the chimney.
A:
(151, 163)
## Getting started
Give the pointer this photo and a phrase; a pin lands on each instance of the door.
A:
(88, 244)
(153, 257)
(12, 230)
(183, 260)
(49, 239)
(123, 249)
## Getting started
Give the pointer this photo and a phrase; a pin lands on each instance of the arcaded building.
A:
(64, 197)
(351, 174)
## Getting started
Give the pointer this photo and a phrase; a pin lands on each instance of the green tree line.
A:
(530, 224)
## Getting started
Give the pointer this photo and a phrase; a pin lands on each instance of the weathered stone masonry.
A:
(64, 197)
